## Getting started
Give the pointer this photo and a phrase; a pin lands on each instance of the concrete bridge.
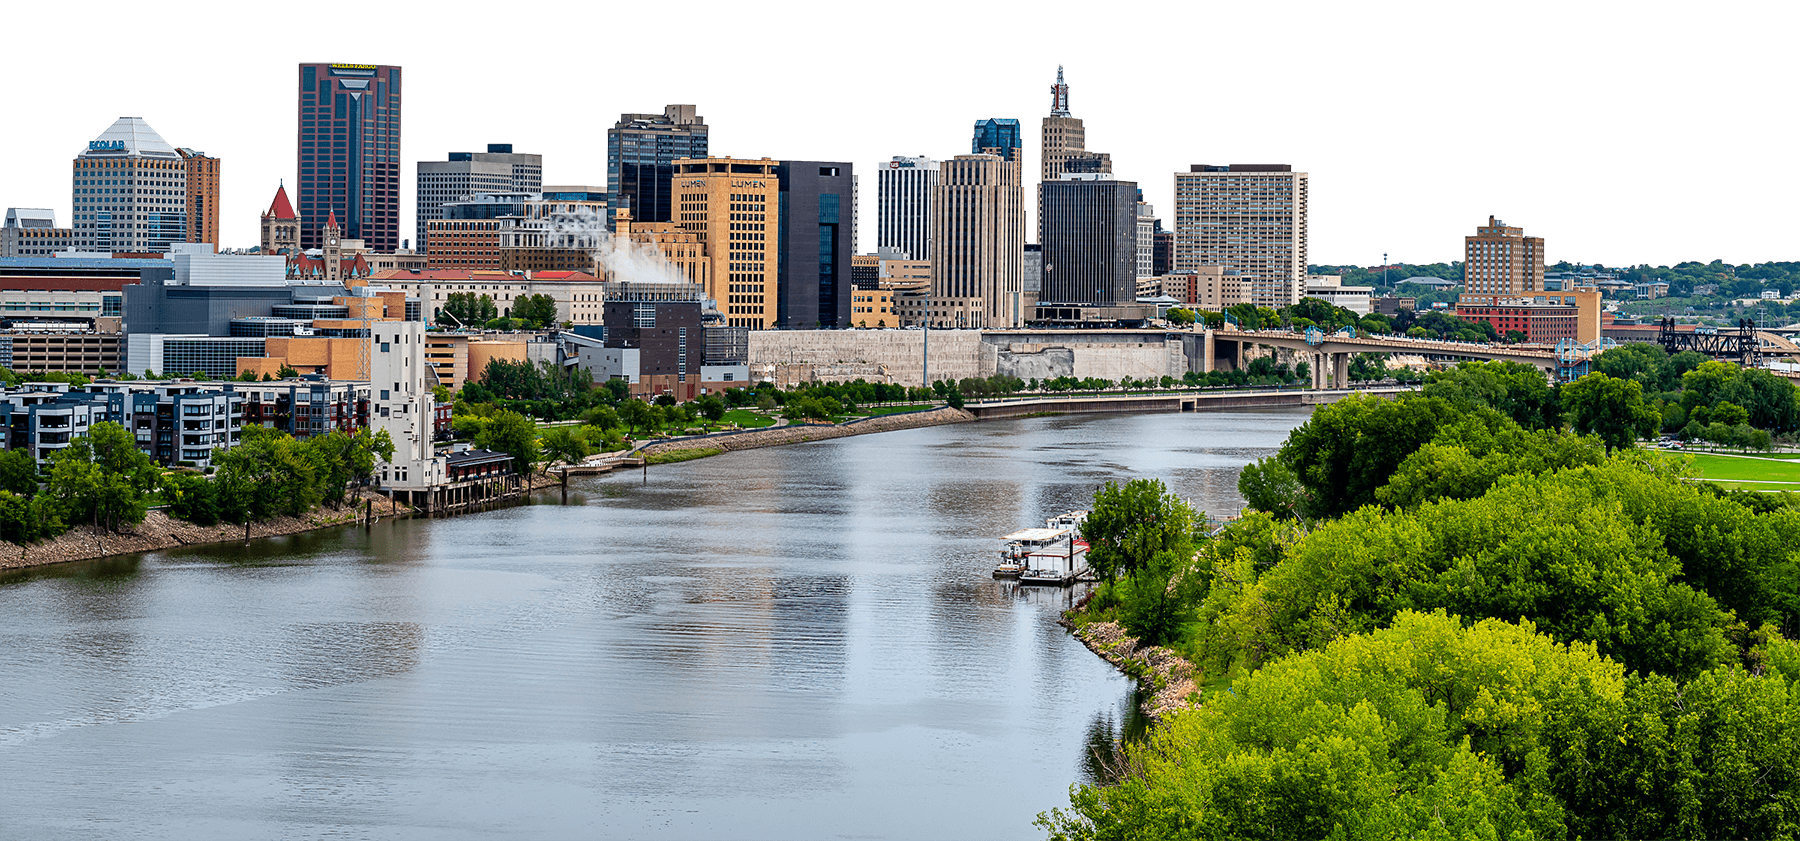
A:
(1330, 358)
(1184, 401)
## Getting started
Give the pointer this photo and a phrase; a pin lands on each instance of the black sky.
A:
(1613, 152)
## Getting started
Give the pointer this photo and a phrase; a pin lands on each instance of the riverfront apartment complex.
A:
(349, 152)
(1248, 218)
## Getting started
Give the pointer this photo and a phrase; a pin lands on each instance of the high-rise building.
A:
(465, 174)
(280, 225)
(1250, 218)
(130, 191)
(735, 204)
(977, 243)
(202, 196)
(1163, 257)
(904, 197)
(998, 133)
(816, 237)
(1502, 260)
(349, 152)
(32, 232)
(1090, 241)
(641, 150)
(1065, 137)
(1146, 237)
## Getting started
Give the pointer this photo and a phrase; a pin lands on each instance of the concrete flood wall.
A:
(896, 356)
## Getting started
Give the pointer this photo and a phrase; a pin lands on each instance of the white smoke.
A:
(619, 257)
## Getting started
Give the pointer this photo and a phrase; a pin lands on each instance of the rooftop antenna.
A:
(1059, 96)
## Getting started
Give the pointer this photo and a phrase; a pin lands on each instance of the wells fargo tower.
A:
(349, 152)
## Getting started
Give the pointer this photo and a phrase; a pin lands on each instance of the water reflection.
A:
(793, 642)
(1103, 758)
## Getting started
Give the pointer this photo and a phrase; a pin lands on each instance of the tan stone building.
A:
(1502, 260)
(734, 205)
(1250, 218)
(682, 249)
(978, 244)
(202, 196)
(465, 244)
(1065, 139)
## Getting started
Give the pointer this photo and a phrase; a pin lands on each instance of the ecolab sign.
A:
(106, 145)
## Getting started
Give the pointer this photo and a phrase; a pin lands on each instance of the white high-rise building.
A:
(1248, 218)
(905, 199)
(1146, 238)
(400, 402)
(465, 174)
(130, 191)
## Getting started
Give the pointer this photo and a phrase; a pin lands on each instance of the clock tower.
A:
(331, 252)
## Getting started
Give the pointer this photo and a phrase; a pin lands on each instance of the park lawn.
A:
(872, 411)
(678, 456)
(1779, 456)
(747, 419)
(1728, 469)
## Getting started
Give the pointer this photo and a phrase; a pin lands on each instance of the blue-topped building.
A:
(998, 133)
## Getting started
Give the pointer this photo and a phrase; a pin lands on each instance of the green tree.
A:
(637, 415)
(102, 477)
(18, 472)
(1269, 485)
(711, 407)
(1519, 391)
(1611, 408)
(514, 434)
(1350, 448)
(1130, 524)
(569, 445)
(1180, 316)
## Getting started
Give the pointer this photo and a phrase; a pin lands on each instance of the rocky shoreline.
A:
(802, 433)
(1168, 679)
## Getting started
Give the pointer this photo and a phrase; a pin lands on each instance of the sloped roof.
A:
(131, 137)
(281, 208)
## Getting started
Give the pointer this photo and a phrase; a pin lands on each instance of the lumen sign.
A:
(106, 145)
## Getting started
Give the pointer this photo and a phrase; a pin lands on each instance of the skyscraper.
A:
(1065, 137)
(202, 196)
(130, 191)
(1502, 260)
(817, 238)
(904, 198)
(349, 152)
(640, 153)
(464, 174)
(977, 243)
(1247, 217)
(1090, 241)
(735, 205)
(998, 133)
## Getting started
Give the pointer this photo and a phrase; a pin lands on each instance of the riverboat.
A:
(1054, 554)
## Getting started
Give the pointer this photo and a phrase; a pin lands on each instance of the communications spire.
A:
(1059, 96)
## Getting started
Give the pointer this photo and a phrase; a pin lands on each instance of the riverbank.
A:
(1167, 679)
(160, 531)
(802, 433)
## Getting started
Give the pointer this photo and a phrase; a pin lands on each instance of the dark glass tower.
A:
(997, 133)
(817, 238)
(1090, 241)
(349, 152)
(640, 154)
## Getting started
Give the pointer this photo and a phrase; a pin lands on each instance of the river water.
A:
(796, 642)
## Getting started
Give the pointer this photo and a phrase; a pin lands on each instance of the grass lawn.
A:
(872, 411)
(1728, 469)
(747, 419)
(674, 456)
(1781, 456)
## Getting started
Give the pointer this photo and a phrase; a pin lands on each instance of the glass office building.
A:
(640, 154)
(349, 153)
(997, 133)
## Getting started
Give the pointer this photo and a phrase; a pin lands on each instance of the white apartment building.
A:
(904, 197)
(1250, 218)
(130, 191)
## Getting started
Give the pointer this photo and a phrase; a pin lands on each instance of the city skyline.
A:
(1378, 108)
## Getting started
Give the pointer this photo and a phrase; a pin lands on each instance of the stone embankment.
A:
(800, 433)
(1168, 679)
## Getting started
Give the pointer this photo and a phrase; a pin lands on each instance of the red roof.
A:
(331, 220)
(281, 209)
(562, 275)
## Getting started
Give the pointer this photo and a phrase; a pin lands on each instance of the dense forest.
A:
(1480, 610)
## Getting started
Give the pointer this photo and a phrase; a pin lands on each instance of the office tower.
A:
(998, 133)
(641, 150)
(1090, 241)
(202, 208)
(735, 204)
(32, 232)
(1065, 137)
(465, 174)
(1500, 260)
(1245, 217)
(903, 193)
(1163, 258)
(816, 238)
(130, 189)
(1146, 237)
(977, 243)
(349, 152)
